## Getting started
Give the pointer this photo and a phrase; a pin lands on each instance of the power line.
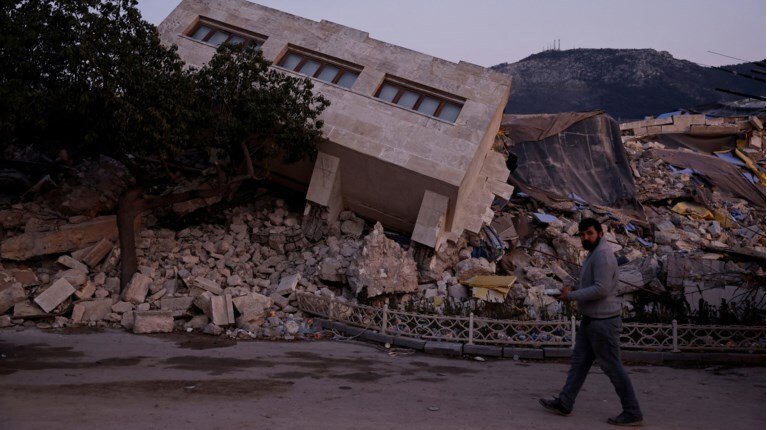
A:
(734, 58)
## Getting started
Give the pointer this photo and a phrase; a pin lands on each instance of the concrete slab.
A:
(54, 295)
(485, 350)
(443, 348)
(523, 353)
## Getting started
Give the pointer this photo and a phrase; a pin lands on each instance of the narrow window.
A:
(348, 79)
(328, 73)
(201, 32)
(290, 61)
(408, 99)
(388, 92)
(216, 33)
(309, 68)
(450, 112)
(218, 37)
(318, 67)
(423, 100)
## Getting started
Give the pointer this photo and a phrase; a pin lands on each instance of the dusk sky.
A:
(488, 32)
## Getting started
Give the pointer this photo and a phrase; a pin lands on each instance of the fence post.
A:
(572, 332)
(385, 318)
(675, 336)
(471, 328)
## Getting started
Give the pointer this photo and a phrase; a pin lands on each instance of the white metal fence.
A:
(475, 330)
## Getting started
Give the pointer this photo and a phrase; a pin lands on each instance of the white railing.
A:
(475, 330)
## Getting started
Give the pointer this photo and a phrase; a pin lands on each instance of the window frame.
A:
(324, 61)
(403, 86)
(215, 26)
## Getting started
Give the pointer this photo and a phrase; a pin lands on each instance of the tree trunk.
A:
(127, 210)
(133, 202)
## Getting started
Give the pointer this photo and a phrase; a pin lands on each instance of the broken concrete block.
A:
(127, 320)
(76, 277)
(281, 301)
(25, 309)
(249, 307)
(384, 267)
(97, 252)
(87, 291)
(207, 285)
(458, 292)
(251, 325)
(222, 310)
(26, 277)
(353, 227)
(68, 238)
(288, 284)
(471, 267)
(54, 295)
(80, 253)
(71, 263)
(202, 302)
(159, 294)
(92, 310)
(153, 322)
(331, 270)
(176, 303)
(77, 314)
(137, 289)
(198, 322)
(665, 226)
(112, 285)
(122, 307)
(5, 321)
(213, 329)
(10, 295)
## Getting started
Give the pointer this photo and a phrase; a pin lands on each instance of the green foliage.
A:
(241, 99)
(92, 77)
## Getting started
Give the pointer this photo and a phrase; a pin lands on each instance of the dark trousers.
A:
(600, 340)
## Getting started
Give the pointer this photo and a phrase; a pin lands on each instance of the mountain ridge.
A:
(627, 83)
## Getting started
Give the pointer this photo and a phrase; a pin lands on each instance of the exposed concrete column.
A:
(325, 185)
(430, 225)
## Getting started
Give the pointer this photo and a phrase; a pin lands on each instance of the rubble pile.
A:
(695, 243)
(240, 276)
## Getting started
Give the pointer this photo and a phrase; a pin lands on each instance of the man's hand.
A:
(563, 293)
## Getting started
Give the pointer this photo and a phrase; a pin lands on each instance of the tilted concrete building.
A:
(410, 135)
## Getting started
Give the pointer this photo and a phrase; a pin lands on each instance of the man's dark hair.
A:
(589, 222)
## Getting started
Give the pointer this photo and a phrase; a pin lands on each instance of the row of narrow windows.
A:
(334, 72)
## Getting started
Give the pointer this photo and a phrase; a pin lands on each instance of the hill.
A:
(627, 83)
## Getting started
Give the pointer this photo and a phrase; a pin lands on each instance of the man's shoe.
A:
(555, 406)
(626, 420)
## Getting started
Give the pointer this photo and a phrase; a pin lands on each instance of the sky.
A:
(489, 32)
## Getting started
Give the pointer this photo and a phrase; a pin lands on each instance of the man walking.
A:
(599, 334)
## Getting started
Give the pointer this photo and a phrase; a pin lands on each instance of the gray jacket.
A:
(597, 293)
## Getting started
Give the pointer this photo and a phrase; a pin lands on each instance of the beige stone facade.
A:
(414, 172)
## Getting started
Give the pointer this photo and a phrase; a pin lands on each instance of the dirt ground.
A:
(112, 379)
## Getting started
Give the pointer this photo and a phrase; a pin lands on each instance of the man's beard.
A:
(588, 246)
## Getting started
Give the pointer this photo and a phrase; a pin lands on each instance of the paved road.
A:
(112, 379)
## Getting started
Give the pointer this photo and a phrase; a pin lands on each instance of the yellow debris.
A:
(490, 288)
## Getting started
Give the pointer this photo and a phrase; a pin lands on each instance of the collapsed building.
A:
(410, 136)
(413, 146)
